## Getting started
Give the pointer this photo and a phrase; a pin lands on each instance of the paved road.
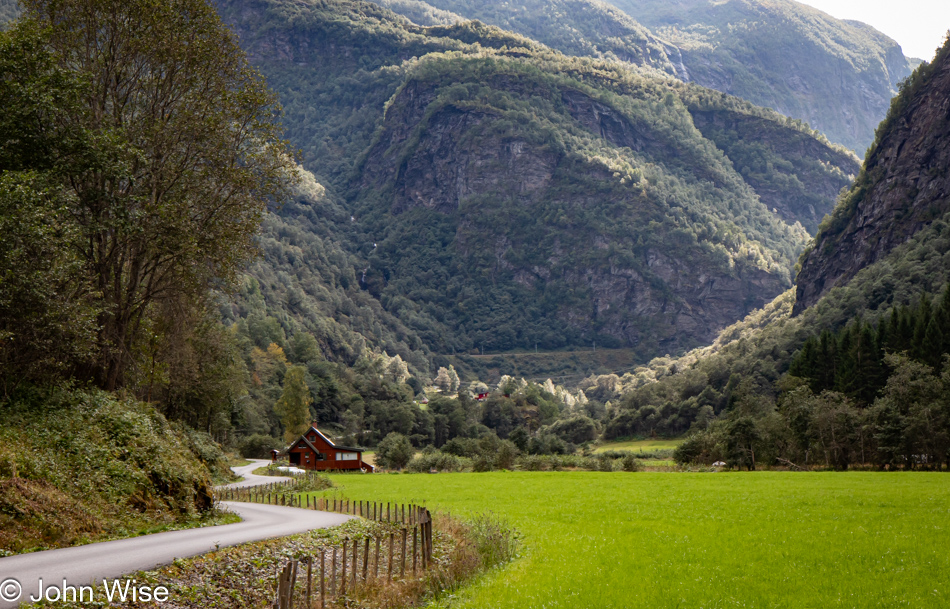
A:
(89, 564)
(253, 479)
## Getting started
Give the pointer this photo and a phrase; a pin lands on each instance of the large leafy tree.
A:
(47, 314)
(183, 159)
(293, 407)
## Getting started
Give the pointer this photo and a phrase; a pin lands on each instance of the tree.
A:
(186, 157)
(742, 438)
(293, 407)
(394, 451)
(47, 314)
(447, 380)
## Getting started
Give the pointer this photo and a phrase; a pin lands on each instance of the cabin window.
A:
(313, 438)
(346, 456)
(321, 457)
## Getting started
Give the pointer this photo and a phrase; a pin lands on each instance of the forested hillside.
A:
(900, 189)
(839, 76)
(513, 197)
(860, 374)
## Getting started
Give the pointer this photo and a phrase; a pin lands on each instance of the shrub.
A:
(506, 455)
(575, 430)
(259, 446)
(482, 463)
(533, 463)
(434, 460)
(629, 463)
(461, 447)
(394, 451)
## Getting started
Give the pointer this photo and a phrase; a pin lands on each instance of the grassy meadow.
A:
(639, 445)
(654, 540)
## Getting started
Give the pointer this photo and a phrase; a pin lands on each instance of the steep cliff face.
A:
(904, 185)
(512, 230)
(499, 195)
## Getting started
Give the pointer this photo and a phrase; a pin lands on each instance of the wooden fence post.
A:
(333, 574)
(376, 561)
(365, 557)
(309, 581)
(323, 578)
(402, 568)
(390, 565)
(343, 572)
(415, 547)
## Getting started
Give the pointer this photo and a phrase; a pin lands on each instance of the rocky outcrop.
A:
(904, 186)
(518, 218)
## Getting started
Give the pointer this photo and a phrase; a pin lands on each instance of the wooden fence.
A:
(404, 551)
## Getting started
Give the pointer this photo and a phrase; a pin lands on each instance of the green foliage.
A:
(259, 446)
(784, 55)
(576, 430)
(91, 466)
(436, 460)
(453, 290)
(394, 451)
(178, 176)
(293, 407)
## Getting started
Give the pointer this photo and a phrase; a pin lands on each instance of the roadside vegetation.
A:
(244, 577)
(120, 227)
(83, 466)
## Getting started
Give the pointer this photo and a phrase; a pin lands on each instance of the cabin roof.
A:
(328, 441)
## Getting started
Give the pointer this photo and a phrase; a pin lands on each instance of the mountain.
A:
(903, 187)
(869, 336)
(582, 28)
(839, 76)
(502, 195)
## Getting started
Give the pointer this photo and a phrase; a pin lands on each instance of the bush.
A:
(506, 455)
(576, 430)
(533, 463)
(434, 460)
(482, 463)
(461, 447)
(259, 446)
(605, 464)
(629, 463)
(394, 451)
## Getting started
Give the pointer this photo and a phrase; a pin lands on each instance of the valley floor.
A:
(762, 539)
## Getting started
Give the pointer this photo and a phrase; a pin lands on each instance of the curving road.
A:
(253, 479)
(93, 563)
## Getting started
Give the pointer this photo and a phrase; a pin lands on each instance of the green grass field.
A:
(637, 445)
(651, 540)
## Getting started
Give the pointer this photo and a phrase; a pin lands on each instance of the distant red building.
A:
(316, 451)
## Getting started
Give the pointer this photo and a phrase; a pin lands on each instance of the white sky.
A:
(919, 26)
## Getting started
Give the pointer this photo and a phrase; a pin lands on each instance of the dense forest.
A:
(632, 138)
(449, 189)
(857, 377)
(837, 75)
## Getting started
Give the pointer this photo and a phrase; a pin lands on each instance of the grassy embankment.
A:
(765, 539)
(84, 466)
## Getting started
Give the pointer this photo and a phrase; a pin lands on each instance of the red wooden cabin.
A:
(316, 451)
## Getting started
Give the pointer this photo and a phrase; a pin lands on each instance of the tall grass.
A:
(655, 540)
